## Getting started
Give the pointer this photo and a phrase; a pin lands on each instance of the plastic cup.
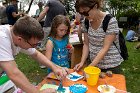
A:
(92, 75)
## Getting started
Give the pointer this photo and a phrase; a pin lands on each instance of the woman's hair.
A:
(28, 27)
(58, 20)
(87, 3)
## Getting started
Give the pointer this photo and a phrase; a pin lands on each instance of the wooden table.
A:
(77, 54)
(118, 81)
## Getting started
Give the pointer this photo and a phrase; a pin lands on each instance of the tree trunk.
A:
(29, 6)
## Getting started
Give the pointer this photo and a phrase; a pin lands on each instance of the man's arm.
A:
(43, 13)
(14, 14)
(45, 61)
(17, 76)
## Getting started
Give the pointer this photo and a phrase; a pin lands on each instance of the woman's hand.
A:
(78, 66)
(77, 17)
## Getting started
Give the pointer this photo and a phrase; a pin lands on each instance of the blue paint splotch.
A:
(61, 90)
(74, 76)
(78, 88)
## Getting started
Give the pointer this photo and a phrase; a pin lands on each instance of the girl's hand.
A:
(71, 49)
(78, 66)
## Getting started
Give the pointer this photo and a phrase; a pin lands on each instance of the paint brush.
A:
(60, 87)
(107, 87)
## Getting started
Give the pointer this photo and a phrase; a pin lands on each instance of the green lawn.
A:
(30, 68)
(130, 68)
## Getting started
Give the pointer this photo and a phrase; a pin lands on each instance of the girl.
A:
(57, 49)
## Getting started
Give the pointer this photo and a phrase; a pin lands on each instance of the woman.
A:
(97, 42)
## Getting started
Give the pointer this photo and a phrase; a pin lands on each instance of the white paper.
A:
(71, 76)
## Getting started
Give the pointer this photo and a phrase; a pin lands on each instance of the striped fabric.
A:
(96, 39)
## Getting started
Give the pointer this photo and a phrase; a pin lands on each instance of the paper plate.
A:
(102, 89)
(78, 88)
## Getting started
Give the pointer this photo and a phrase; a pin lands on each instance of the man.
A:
(52, 8)
(38, 11)
(131, 35)
(23, 36)
(3, 15)
(12, 12)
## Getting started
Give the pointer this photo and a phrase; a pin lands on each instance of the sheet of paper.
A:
(74, 76)
(45, 86)
(51, 75)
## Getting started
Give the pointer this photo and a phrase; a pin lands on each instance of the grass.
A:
(130, 68)
(30, 68)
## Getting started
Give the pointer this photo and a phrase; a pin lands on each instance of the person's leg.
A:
(137, 46)
(46, 33)
(43, 42)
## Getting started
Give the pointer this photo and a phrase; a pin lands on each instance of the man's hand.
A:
(48, 90)
(61, 72)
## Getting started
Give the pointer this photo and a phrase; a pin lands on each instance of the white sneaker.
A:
(42, 66)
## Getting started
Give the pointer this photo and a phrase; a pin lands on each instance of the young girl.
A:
(57, 49)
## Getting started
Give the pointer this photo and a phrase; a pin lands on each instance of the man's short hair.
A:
(28, 27)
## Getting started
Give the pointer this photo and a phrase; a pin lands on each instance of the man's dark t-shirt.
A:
(55, 8)
(9, 10)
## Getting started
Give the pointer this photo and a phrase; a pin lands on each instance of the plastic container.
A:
(92, 75)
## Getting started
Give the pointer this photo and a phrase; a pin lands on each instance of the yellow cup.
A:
(92, 75)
